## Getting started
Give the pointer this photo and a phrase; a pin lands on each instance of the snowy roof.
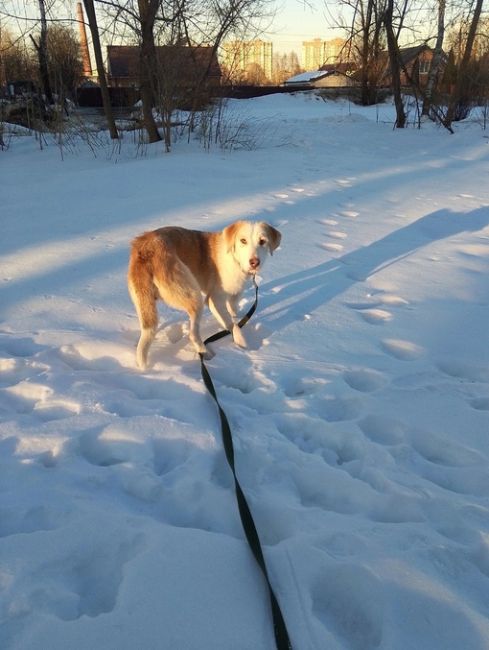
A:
(307, 77)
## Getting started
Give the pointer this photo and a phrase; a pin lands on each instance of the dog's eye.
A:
(262, 242)
(243, 241)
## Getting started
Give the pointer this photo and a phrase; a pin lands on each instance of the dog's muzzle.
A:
(254, 263)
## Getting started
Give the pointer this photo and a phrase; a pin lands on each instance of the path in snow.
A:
(360, 413)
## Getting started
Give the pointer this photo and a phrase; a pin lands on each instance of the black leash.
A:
(281, 635)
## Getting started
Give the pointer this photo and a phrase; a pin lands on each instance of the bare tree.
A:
(16, 61)
(436, 62)
(97, 48)
(459, 99)
(395, 65)
(172, 36)
(41, 47)
(148, 65)
(365, 43)
(64, 60)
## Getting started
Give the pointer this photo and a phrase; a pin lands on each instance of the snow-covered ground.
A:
(360, 410)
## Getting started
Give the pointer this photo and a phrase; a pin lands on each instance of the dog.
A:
(190, 268)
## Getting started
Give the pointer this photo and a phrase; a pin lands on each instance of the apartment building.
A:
(248, 59)
(317, 52)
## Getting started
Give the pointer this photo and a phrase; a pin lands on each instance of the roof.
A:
(123, 60)
(307, 77)
(408, 54)
(338, 68)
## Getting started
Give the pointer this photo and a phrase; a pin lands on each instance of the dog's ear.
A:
(229, 235)
(274, 237)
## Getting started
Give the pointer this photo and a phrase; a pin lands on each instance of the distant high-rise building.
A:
(248, 59)
(317, 52)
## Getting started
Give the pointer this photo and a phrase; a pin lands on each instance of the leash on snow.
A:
(281, 635)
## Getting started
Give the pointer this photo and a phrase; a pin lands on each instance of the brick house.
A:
(186, 65)
(416, 62)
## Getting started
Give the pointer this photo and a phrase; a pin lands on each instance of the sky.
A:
(297, 21)
(294, 21)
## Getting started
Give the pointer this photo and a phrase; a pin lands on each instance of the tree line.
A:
(457, 32)
(47, 49)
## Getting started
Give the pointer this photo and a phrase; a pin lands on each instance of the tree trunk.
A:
(460, 95)
(436, 60)
(92, 23)
(147, 67)
(42, 54)
(395, 67)
(366, 54)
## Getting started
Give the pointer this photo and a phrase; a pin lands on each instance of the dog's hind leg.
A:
(179, 289)
(145, 340)
(145, 303)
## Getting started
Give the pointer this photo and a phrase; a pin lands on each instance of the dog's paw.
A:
(141, 361)
(238, 337)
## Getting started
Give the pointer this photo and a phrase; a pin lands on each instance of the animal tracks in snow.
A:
(332, 247)
(402, 349)
(365, 380)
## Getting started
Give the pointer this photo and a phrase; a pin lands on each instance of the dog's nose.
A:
(254, 262)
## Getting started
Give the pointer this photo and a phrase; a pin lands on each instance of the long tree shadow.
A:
(315, 286)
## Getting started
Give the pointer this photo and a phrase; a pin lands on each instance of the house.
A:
(415, 66)
(331, 75)
(182, 65)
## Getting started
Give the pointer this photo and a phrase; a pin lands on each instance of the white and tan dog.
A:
(188, 268)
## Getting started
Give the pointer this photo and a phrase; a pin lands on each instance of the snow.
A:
(360, 411)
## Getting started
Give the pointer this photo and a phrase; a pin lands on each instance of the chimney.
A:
(85, 54)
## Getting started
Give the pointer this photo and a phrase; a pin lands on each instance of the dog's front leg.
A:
(232, 307)
(225, 313)
(194, 312)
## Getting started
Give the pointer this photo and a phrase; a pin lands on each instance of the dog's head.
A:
(250, 243)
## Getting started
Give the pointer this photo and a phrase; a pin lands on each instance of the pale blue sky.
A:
(295, 21)
(298, 21)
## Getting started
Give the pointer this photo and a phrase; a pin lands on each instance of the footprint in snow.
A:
(343, 182)
(339, 409)
(25, 396)
(464, 370)
(175, 332)
(300, 386)
(364, 380)
(376, 316)
(480, 403)
(19, 347)
(383, 430)
(402, 350)
(351, 214)
(392, 300)
(337, 234)
(440, 451)
(349, 599)
(331, 247)
(14, 521)
(373, 302)
(245, 383)
(100, 451)
(87, 581)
